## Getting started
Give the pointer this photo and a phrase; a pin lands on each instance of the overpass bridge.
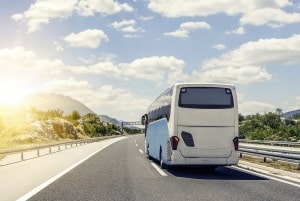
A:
(126, 123)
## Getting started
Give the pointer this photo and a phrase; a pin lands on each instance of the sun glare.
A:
(11, 92)
(10, 98)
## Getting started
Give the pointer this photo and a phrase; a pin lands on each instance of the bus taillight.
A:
(236, 143)
(174, 142)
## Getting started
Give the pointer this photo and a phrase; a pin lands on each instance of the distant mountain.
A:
(52, 101)
(291, 113)
(110, 120)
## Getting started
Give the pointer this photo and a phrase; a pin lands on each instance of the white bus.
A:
(193, 124)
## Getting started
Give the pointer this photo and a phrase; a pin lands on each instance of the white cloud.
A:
(69, 85)
(157, 69)
(58, 47)
(146, 18)
(269, 16)
(263, 52)
(25, 60)
(219, 47)
(186, 27)
(116, 101)
(107, 99)
(233, 75)
(105, 68)
(194, 25)
(248, 63)
(107, 7)
(238, 31)
(42, 11)
(131, 36)
(293, 103)
(90, 38)
(180, 33)
(127, 26)
(154, 69)
(87, 61)
(255, 12)
(174, 8)
(253, 107)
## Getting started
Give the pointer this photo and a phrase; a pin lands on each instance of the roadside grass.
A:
(277, 164)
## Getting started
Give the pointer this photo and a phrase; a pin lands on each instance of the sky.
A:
(117, 56)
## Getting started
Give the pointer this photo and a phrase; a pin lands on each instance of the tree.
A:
(93, 126)
(272, 120)
(279, 111)
(75, 115)
(269, 126)
(241, 118)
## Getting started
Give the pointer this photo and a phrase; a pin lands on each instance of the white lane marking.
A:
(266, 176)
(158, 169)
(51, 180)
(136, 143)
(269, 172)
(162, 173)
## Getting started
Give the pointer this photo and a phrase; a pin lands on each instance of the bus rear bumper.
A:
(178, 159)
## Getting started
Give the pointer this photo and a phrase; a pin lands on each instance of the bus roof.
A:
(204, 84)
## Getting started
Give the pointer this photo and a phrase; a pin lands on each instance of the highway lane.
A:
(20, 178)
(122, 172)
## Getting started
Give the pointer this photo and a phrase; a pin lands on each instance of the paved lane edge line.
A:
(162, 173)
(51, 180)
(266, 176)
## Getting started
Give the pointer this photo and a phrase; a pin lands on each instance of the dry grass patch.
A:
(282, 165)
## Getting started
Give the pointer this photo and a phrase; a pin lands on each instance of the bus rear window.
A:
(206, 98)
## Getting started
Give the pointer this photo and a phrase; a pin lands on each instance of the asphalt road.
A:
(122, 172)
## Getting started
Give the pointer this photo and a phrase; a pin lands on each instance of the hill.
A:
(110, 120)
(290, 114)
(52, 101)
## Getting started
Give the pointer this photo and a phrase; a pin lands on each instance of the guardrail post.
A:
(22, 156)
(50, 150)
(265, 159)
(38, 153)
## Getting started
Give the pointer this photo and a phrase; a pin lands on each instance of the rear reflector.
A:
(174, 142)
(236, 143)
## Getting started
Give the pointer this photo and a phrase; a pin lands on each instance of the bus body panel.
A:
(208, 141)
(206, 117)
(156, 138)
(211, 131)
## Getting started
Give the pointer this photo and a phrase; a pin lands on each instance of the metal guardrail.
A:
(50, 147)
(265, 152)
(270, 142)
(283, 154)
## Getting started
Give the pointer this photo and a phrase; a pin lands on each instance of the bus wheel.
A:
(148, 155)
(161, 162)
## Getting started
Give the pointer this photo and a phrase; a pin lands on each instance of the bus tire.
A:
(148, 155)
(161, 162)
